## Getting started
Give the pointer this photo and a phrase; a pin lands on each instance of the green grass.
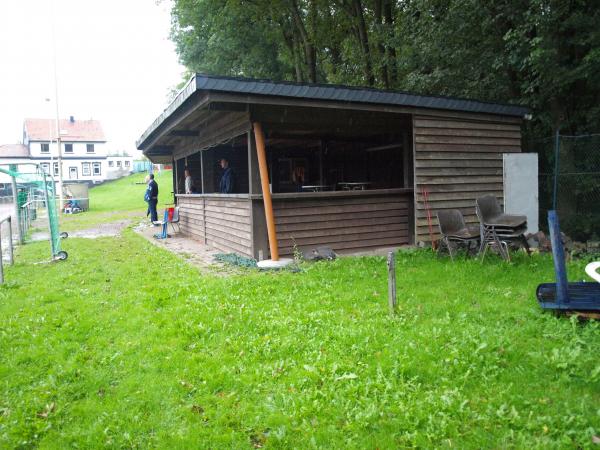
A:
(126, 346)
(119, 199)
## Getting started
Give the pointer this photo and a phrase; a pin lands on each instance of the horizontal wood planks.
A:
(224, 224)
(343, 223)
(457, 160)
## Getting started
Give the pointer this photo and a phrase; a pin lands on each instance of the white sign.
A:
(592, 270)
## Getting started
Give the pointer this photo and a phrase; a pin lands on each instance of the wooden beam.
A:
(183, 133)
(337, 105)
(161, 149)
(264, 180)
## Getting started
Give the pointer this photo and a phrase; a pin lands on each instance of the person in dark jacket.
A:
(227, 183)
(151, 196)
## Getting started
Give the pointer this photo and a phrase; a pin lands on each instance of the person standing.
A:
(151, 196)
(189, 182)
(227, 183)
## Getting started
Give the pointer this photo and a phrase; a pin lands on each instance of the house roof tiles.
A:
(71, 131)
(14, 151)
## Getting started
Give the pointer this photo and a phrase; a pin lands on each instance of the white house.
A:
(84, 150)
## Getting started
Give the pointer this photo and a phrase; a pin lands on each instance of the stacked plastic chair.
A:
(497, 228)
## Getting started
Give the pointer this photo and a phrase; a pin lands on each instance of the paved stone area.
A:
(193, 251)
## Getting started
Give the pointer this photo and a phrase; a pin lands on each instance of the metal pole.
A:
(17, 207)
(391, 264)
(558, 254)
(556, 166)
(48, 212)
(60, 171)
(11, 259)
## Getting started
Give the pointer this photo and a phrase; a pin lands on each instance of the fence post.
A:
(556, 167)
(391, 264)
(1, 262)
(17, 206)
(11, 260)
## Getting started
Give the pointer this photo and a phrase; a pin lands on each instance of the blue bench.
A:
(562, 295)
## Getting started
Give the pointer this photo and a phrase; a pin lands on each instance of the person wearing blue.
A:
(151, 196)
(227, 183)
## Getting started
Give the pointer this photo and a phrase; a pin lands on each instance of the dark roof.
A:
(327, 92)
(351, 94)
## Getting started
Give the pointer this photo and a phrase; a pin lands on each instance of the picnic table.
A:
(354, 186)
(314, 187)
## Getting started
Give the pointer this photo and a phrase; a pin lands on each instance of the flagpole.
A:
(58, 143)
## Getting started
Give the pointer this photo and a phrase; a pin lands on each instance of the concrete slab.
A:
(269, 264)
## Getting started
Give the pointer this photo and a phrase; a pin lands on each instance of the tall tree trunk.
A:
(309, 49)
(357, 10)
(390, 49)
(333, 46)
(289, 37)
(382, 54)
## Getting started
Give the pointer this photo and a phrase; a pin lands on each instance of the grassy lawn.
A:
(124, 345)
(119, 199)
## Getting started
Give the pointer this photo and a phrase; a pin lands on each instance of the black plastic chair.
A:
(454, 230)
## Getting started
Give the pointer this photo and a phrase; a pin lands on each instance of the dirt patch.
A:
(111, 229)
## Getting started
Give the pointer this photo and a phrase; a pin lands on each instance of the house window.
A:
(96, 168)
(73, 173)
(55, 169)
(45, 148)
(85, 169)
(118, 163)
(111, 163)
(90, 148)
(46, 168)
(68, 148)
(127, 164)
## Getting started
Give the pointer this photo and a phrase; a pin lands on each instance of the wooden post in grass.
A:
(391, 264)
(1, 263)
(11, 259)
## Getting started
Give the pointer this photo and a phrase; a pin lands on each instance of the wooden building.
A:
(349, 168)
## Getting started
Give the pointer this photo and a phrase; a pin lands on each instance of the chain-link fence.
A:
(571, 183)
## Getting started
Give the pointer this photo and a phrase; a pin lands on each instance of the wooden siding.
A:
(345, 224)
(457, 160)
(220, 222)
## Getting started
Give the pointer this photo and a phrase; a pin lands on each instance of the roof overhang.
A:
(213, 100)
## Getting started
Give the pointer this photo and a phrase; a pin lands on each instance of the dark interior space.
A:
(235, 151)
(319, 149)
(298, 165)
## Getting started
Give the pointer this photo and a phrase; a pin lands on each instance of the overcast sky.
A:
(114, 59)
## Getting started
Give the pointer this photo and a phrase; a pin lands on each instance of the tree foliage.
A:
(542, 53)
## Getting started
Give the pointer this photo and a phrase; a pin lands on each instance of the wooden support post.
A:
(202, 172)
(391, 264)
(17, 207)
(264, 181)
(1, 262)
(321, 178)
(175, 179)
(11, 259)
